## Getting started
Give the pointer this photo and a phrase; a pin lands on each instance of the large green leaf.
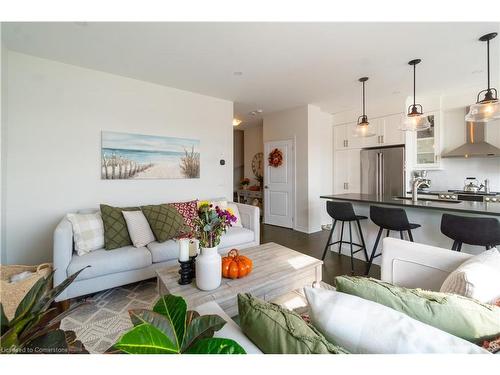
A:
(174, 308)
(54, 342)
(29, 300)
(146, 339)
(4, 321)
(202, 327)
(159, 321)
(190, 315)
(215, 345)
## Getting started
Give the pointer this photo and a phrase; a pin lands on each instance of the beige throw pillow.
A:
(477, 278)
(88, 232)
(138, 228)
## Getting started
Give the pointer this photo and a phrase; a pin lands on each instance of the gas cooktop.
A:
(491, 193)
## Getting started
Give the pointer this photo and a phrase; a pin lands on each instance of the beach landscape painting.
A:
(137, 156)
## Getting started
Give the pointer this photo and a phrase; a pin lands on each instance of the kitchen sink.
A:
(427, 200)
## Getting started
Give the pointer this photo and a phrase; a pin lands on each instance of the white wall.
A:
(253, 145)
(320, 165)
(3, 117)
(238, 157)
(55, 115)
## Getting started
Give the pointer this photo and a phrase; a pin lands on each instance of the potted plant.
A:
(170, 329)
(210, 224)
(245, 182)
(34, 329)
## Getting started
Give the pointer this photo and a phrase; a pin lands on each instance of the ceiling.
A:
(272, 66)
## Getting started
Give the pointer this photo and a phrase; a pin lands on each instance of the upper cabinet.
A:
(425, 145)
(386, 130)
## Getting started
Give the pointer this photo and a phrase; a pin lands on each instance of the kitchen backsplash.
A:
(455, 171)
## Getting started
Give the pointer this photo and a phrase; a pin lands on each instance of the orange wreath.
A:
(275, 158)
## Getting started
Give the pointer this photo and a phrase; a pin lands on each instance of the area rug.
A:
(104, 319)
(101, 322)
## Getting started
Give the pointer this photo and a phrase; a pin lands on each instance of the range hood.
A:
(475, 146)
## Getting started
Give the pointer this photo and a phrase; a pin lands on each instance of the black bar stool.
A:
(390, 219)
(480, 231)
(343, 211)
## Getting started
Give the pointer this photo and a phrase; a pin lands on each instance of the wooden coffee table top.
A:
(276, 270)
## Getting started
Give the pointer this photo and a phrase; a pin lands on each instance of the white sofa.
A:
(404, 263)
(112, 268)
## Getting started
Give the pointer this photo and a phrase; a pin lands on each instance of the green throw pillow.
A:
(276, 330)
(115, 227)
(165, 221)
(460, 316)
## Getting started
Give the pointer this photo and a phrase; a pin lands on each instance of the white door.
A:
(340, 171)
(279, 185)
(354, 178)
(340, 137)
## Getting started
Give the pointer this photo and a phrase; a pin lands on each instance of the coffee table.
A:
(277, 270)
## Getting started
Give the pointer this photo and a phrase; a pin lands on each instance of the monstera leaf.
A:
(171, 329)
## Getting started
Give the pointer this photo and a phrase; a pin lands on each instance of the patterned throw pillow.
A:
(115, 227)
(188, 210)
(165, 221)
(88, 232)
(138, 228)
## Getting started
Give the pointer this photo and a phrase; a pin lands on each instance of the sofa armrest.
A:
(250, 218)
(414, 265)
(62, 252)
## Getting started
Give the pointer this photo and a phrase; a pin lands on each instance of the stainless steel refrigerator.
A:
(383, 171)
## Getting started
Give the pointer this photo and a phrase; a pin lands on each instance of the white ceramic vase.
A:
(208, 269)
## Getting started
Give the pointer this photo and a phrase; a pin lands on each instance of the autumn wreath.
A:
(275, 158)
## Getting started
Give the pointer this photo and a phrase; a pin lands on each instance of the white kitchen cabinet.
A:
(347, 171)
(340, 137)
(425, 146)
(386, 131)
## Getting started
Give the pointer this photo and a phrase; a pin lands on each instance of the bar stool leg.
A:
(329, 240)
(341, 238)
(388, 232)
(454, 246)
(373, 251)
(410, 235)
(350, 243)
(362, 240)
(459, 248)
(401, 235)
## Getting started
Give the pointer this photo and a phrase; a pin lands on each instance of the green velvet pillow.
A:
(165, 221)
(276, 330)
(460, 316)
(115, 227)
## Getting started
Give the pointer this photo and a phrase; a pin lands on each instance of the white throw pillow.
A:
(234, 208)
(138, 228)
(478, 278)
(88, 232)
(365, 327)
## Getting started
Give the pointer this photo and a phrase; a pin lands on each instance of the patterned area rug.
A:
(100, 323)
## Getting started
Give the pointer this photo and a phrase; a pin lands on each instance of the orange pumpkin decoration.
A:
(236, 266)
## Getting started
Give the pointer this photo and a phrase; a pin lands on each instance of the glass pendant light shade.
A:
(483, 112)
(488, 108)
(415, 120)
(363, 127)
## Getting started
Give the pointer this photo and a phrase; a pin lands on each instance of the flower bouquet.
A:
(211, 223)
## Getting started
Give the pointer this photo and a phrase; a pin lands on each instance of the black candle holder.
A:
(185, 272)
(192, 260)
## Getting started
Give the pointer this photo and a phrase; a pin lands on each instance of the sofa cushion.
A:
(161, 252)
(165, 221)
(235, 236)
(276, 330)
(104, 262)
(365, 327)
(460, 316)
(115, 227)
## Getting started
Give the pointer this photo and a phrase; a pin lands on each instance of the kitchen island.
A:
(426, 212)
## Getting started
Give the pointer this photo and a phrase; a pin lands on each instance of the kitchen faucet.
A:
(416, 183)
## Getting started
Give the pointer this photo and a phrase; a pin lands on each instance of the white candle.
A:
(193, 248)
(184, 249)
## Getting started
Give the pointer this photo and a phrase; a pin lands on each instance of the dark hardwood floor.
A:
(313, 245)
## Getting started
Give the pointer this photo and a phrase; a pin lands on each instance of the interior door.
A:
(279, 186)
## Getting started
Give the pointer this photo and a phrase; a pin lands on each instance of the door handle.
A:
(346, 143)
(266, 187)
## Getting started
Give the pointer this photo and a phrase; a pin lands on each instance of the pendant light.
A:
(488, 108)
(415, 119)
(362, 129)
